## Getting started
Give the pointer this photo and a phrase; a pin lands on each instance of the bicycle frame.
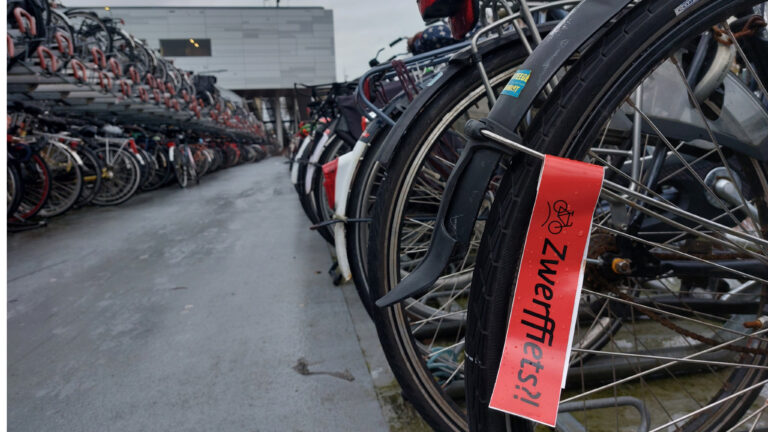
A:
(465, 188)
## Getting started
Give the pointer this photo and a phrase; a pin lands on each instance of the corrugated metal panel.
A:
(258, 47)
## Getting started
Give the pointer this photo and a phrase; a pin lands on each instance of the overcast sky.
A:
(361, 26)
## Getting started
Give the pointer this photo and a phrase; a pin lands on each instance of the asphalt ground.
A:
(205, 309)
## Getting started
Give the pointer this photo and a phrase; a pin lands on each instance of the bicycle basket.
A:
(463, 14)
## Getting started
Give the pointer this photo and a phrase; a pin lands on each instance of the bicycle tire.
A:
(364, 186)
(92, 175)
(66, 180)
(123, 176)
(306, 202)
(37, 185)
(318, 195)
(419, 386)
(105, 44)
(15, 189)
(162, 171)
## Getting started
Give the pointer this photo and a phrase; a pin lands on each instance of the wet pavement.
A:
(197, 310)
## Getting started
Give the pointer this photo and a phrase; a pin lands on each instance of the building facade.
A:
(246, 48)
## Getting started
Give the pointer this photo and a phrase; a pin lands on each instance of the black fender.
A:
(467, 184)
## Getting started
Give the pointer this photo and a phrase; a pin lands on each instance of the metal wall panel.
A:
(258, 48)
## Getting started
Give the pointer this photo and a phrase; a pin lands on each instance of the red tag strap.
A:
(537, 346)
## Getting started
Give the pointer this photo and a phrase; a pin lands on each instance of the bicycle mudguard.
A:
(299, 155)
(345, 172)
(328, 135)
(466, 186)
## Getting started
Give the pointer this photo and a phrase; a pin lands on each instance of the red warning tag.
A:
(540, 330)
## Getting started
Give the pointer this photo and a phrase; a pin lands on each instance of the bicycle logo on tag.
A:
(559, 216)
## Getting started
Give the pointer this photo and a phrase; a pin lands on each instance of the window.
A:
(185, 47)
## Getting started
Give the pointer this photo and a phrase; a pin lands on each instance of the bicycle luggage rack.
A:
(472, 45)
(388, 72)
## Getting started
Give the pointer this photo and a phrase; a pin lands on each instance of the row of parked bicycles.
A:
(56, 164)
(95, 115)
(422, 175)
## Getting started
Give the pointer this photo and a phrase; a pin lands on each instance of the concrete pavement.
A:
(186, 310)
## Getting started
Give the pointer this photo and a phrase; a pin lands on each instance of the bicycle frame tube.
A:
(466, 186)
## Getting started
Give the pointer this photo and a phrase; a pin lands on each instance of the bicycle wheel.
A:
(218, 159)
(92, 169)
(681, 280)
(306, 201)
(202, 162)
(250, 154)
(91, 33)
(177, 162)
(149, 165)
(122, 176)
(160, 171)
(15, 189)
(37, 184)
(66, 179)
(362, 197)
(423, 337)
(318, 195)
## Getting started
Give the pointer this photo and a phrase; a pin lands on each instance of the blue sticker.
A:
(517, 83)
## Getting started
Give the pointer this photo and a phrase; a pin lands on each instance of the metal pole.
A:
(278, 121)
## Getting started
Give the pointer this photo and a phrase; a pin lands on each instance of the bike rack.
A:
(97, 90)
